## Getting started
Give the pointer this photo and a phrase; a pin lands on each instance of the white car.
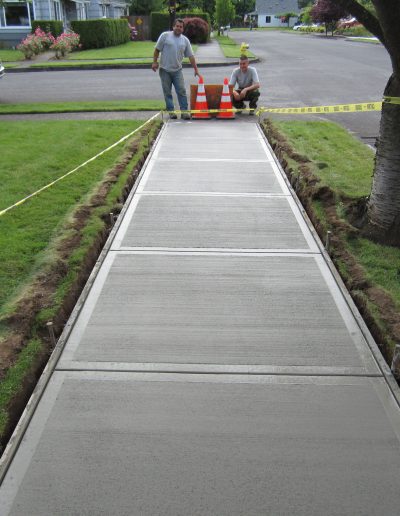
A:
(1, 70)
(297, 25)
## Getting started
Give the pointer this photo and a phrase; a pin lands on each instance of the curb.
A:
(117, 66)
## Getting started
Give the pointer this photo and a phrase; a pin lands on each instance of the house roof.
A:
(277, 6)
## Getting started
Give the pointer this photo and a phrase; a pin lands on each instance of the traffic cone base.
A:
(226, 102)
(201, 102)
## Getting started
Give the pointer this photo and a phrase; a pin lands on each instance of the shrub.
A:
(196, 29)
(102, 32)
(54, 27)
(354, 31)
(65, 43)
(159, 21)
(35, 43)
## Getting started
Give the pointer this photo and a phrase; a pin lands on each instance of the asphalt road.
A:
(295, 70)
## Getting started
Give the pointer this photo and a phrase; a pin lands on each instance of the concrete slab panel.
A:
(210, 148)
(212, 176)
(206, 221)
(213, 129)
(228, 310)
(127, 444)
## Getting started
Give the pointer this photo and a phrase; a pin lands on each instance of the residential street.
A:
(295, 70)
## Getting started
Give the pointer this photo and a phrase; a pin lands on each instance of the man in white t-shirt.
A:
(246, 78)
(174, 46)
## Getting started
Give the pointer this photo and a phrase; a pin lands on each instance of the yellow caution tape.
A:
(337, 108)
(2, 212)
(391, 100)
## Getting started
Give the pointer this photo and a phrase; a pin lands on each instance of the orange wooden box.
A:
(213, 95)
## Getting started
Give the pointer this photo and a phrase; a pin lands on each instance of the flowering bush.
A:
(46, 39)
(30, 46)
(35, 43)
(65, 43)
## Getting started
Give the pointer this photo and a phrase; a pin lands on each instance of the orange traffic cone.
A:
(201, 101)
(226, 102)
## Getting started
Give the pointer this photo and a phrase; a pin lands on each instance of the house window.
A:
(57, 10)
(80, 11)
(268, 19)
(16, 14)
(105, 9)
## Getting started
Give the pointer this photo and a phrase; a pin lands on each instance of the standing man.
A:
(174, 46)
(246, 78)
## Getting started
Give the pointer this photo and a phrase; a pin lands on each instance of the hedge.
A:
(53, 26)
(160, 21)
(102, 32)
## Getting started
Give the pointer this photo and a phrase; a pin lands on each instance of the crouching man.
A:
(248, 84)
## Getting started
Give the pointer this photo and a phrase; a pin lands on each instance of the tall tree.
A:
(145, 6)
(243, 7)
(383, 205)
(329, 13)
(224, 12)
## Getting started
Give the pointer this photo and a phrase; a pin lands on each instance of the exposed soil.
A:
(386, 330)
(22, 323)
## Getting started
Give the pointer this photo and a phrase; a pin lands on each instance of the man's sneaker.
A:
(173, 116)
(185, 116)
(252, 109)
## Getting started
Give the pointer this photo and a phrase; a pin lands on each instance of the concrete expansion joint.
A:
(218, 373)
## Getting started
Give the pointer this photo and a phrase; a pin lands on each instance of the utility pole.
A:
(172, 12)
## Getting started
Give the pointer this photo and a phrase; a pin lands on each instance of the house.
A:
(16, 15)
(266, 11)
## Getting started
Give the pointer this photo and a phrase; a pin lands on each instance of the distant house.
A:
(16, 16)
(266, 11)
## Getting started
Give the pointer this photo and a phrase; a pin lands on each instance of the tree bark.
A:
(384, 202)
(383, 207)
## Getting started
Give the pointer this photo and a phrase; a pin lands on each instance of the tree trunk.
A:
(384, 202)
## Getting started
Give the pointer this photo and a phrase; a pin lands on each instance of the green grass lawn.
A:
(342, 162)
(71, 107)
(229, 47)
(11, 55)
(34, 154)
(85, 64)
(130, 50)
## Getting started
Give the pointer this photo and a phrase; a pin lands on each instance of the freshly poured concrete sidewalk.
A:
(216, 367)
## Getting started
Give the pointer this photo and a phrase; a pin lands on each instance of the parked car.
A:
(1, 70)
(305, 25)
